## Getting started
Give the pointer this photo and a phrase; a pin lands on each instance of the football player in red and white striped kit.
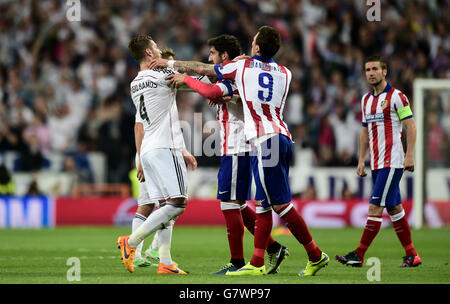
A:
(263, 86)
(234, 176)
(385, 110)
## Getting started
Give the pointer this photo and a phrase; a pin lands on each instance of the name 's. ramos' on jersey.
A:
(143, 85)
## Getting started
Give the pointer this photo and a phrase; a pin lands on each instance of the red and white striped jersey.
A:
(383, 115)
(263, 86)
(230, 117)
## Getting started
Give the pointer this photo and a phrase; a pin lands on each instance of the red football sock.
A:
(403, 231)
(299, 229)
(371, 229)
(249, 217)
(235, 230)
(263, 227)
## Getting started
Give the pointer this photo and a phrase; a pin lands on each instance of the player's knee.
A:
(375, 210)
(395, 209)
(396, 213)
(176, 207)
(279, 208)
(145, 210)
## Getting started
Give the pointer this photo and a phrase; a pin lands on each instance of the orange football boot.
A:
(127, 252)
(172, 269)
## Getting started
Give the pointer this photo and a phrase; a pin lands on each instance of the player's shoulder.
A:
(231, 63)
(366, 95)
(145, 75)
(399, 96)
(285, 69)
(398, 93)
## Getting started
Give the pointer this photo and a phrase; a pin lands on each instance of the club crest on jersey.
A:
(384, 104)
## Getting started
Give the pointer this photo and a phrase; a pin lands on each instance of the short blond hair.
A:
(166, 53)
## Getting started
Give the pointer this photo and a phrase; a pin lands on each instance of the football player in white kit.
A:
(145, 204)
(163, 154)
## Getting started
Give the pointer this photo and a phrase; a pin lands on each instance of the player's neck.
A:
(379, 87)
(143, 66)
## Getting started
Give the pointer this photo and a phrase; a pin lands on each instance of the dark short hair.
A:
(166, 53)
(138, 45)
(375, 58)
(226, 43)
(269, 41)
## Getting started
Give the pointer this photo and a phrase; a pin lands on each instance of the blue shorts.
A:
(270, 167)
(386, 189)
(234, 178)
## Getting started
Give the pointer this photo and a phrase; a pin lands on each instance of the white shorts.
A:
(144, 198)
(165, 174)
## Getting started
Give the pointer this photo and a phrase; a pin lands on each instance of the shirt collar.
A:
(386, 89)
(263, 59)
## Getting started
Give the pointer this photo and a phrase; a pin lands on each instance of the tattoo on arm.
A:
(195, 67)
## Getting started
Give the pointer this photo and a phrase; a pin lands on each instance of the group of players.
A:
(255, 141)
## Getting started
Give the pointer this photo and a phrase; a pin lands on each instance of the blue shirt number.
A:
(265, 81)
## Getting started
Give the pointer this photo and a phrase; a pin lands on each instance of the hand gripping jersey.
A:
(156, 109)
(263, 87)
(382, 115)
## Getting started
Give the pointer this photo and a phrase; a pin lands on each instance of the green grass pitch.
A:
(29, 256)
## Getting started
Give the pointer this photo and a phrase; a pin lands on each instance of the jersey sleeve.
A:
(401, 106)
(226, 70)
(209, 90)
(363, 116)
(137, 118)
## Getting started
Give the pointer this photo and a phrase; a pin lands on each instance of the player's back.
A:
(156, 109)
(263, 86)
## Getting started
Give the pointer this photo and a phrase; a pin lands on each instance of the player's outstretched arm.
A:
(191, 67)
(363, 148)
(209, 91)
(410, 126)
(138, 136)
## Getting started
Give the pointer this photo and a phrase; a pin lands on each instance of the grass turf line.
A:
(29, 256)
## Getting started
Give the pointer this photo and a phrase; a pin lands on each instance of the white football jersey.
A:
(263, 86)
(156, 109)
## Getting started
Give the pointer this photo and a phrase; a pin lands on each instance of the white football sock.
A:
(137, 221)
(165, 241)
(156, 220)
(155, 245)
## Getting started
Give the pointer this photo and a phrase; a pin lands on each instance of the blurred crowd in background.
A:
(64, 86)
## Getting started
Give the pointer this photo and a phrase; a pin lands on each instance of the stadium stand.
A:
(64, 86)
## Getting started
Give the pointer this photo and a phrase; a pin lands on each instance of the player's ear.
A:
(257, 48)
(225, 57)
(148, 52)
(384, 72)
